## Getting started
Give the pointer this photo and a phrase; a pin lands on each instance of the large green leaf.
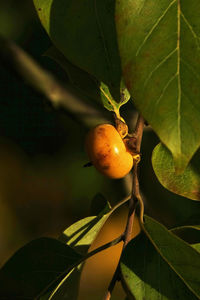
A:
(80, 79)
(34, 267)
(180, 256)
(147, 275)
(159, 44)
(84, 31)
(186, 184)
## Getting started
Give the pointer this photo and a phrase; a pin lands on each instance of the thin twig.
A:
(135, 198)
(60, 95)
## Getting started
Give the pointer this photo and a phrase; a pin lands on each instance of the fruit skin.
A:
(108, 152)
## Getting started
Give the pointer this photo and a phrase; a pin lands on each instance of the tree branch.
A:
(135, 195)
(135, 198)
(44, 82)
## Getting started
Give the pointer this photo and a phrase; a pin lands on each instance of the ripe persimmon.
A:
(108, 152)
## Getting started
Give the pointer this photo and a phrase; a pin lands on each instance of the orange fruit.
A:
(107, 151)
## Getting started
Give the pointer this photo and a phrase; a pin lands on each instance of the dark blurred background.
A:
(43, 185)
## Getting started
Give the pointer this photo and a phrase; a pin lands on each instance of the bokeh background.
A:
(43, 185)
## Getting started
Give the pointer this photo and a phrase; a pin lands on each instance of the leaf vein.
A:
(154, 26)
(141, 7)
(197, 38)
(164, 89)
(179, 80)
(190, 68)
(159, 65)
(190, 101)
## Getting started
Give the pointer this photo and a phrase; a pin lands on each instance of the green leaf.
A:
(196, 246)
(109, 102)
(171, 209)
(84, 31)
(190, 234)
(81, 234)
(186, 184)
(180, 256)
(88, 85)
(146, 274)
(159, 45)
(85, 83)
(99, 205)
(34, 267)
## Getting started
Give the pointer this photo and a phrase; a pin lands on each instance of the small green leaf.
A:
(147, 276)
(125, 95)
(180, 256)
(81, 234)
(114, 104)
(84, 31)
(186, 184)
(107, 99)
(159, 45)
(37, 265)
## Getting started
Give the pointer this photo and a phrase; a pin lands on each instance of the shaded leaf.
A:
(34, 267)
(85, 33)
(99, 205)
(146, 274)
(169, 208)
(68, 288)
(186, 184)
(182, 259)
(190, 234)
(159, 45)
(88, 85)
(85, 83)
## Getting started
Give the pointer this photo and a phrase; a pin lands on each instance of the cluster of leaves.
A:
(157, 263)
(151, 47)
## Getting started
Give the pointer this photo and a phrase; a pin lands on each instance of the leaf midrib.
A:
(178, 74)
